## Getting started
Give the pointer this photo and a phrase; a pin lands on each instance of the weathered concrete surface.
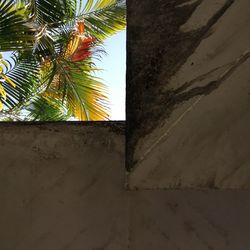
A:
(199, 120)
(190, 220)
(61, 187)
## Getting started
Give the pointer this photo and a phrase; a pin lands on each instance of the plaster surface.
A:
(62, 187)
(193, 131)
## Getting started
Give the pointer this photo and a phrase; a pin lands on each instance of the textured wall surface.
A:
(190, 220)
(62, 187)
(189, 115)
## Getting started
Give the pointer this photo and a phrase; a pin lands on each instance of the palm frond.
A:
(15, 34)
(83, 94)
(52, 12)
(103, 18)
(44, 108)
(23, 71)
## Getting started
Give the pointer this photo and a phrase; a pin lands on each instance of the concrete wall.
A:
(188, 94)
(62, 187)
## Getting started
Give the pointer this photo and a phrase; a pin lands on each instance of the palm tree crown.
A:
(50, 75)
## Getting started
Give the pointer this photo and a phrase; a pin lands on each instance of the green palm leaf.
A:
(83, 94)
(15, 34)
(103, 18)
(24, 71)
(47, 109)
(52, 12)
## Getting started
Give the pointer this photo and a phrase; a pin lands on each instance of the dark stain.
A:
(156, 49)
(173, 206)
(214, 224)
(191, 229)
(188, 227)
(46, 155)
(117, 127)
(165, 236)
(86, 188)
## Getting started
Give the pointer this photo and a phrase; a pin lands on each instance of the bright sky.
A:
(114, 73)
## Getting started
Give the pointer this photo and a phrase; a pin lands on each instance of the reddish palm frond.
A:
(83, 52)
(79, 46)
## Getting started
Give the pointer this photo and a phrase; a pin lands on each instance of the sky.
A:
(114, 73)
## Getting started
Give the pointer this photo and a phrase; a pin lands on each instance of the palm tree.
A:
(50, 75)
